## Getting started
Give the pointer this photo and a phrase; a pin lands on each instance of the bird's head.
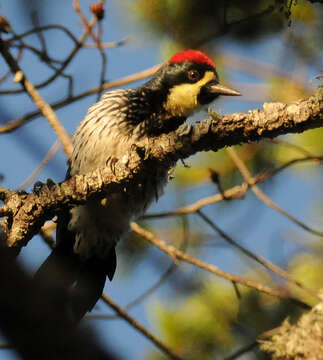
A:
(189, 80)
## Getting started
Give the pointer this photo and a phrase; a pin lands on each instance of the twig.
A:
(6, 75)
(88, 27)
(50, 154)
(236, 192)
(256, 190)
(179, 255)
(96, 39)
(108, 45)
(69, 58)
(43, 28)
(270, 173)
(267, 264)
(44, 108)
(14, 124)
(122, 313)
(35, 20)
(139, 298)
(166, 274)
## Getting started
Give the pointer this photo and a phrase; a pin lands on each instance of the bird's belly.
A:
(101, 223)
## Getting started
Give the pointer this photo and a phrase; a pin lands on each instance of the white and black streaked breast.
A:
(104, 133)
(104, 137)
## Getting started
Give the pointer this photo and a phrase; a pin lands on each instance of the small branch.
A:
(165, 275)
(108, 45)
(267, 264)
(122, 313)
(50, 154)
(179, 255)
(44, 108)
(88, 28)
(44, 28)
(272, 172)
(236, 192)
(262, 196)
(96, 39)
(69, 58)
(15, 124)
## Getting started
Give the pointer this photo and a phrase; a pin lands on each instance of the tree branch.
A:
(25, 213)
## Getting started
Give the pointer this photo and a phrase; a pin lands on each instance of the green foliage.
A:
(307, 268)
(201, 323)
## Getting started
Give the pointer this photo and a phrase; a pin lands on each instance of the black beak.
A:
(218, 89)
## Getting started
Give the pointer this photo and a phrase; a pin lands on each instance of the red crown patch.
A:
(195, 56)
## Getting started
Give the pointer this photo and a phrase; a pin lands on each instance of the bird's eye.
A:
(194, 75)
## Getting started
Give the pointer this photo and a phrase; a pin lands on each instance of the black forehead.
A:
(177, 73)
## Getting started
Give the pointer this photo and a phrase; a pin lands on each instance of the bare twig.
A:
(236, 192)
(123, 314)
(267, 264)
(59, 71)
(108, 45)
(272, 172)
(44, 108)
(50, 154)
(41, 29)
(256, 190)
(14, 124)
(96, 39)
(179, 255)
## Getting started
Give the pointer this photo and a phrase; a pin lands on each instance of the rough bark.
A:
(25, 213)
(302, 341)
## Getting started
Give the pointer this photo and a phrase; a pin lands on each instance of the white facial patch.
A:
(182, 99)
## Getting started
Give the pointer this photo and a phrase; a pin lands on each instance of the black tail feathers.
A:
(79, 284)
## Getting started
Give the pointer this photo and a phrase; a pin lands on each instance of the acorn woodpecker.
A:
(87, 234)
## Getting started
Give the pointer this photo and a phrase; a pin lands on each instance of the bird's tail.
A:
(79, 283)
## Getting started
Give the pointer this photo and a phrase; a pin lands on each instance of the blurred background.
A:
(268, 50)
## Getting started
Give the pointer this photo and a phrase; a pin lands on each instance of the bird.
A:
(87, 235)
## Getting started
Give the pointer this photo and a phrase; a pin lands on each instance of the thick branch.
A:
(275, 119)
(25, 213)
